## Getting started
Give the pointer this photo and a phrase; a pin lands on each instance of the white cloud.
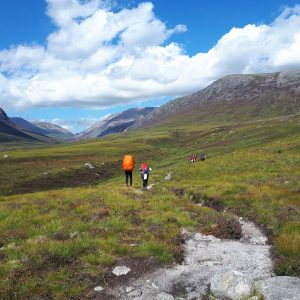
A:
(100, 58)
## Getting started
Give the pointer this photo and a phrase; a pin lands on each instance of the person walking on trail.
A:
(193, 158)
(128, 165)
(145, 171)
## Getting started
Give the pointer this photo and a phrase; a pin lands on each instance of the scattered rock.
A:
(98, 288)
(280, 288)
(169, 176)
(5, 156)
(89, 165)
(121, 270)
(164, 296)
(231, 285)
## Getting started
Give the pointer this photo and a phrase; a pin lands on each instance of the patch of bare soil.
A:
(69, 178)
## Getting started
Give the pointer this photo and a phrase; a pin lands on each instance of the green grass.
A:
(62, 238)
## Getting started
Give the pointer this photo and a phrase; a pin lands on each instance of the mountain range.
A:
(14, 129)
(231, 98)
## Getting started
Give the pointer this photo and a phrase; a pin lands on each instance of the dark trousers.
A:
(128, 174)
(145, 182)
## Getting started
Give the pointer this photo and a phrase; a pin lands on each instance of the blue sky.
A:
(175, 33)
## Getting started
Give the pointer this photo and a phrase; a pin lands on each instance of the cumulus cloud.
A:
(99, 57)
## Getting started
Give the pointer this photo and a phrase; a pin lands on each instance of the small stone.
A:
(129, 289)
(155, 285)
(169, 176)
(89, 165)
(98, 288)
(5, 156)
(73, 234)
(121, 270)
(164, 296)
(135, 293)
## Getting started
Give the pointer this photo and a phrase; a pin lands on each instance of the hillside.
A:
(26, 125)
(115, 123)
(234, 98)
(53, 131)
(9, 132)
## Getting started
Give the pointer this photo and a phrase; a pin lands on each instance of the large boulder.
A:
(231, 285)
(280, 288)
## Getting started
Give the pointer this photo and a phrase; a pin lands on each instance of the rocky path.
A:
(205, 257)
(213, 269)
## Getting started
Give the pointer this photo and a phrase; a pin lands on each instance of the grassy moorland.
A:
(62, 227)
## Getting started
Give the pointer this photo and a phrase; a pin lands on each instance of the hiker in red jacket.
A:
(145, 171)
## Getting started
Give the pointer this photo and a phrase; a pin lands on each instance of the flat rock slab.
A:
(231, 285)
(205, 256)
(280, 288)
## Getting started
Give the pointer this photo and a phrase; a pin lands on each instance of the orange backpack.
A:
(128, 163)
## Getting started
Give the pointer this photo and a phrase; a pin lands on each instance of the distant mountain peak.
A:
(115, 123)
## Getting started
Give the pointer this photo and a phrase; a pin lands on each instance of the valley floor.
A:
(63, 226)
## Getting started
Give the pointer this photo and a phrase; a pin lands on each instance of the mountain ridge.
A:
(115, 123)
(279, 91)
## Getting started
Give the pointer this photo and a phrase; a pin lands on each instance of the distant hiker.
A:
(202, 157)
(128, 165)
(193, 157)
(145, 171)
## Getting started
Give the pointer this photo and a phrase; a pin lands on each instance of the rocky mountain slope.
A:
(115, 123)
(53, 130)
(24, 124)
(235, 97)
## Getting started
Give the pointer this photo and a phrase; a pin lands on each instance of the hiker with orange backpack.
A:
(144, 171)
(128, 165)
